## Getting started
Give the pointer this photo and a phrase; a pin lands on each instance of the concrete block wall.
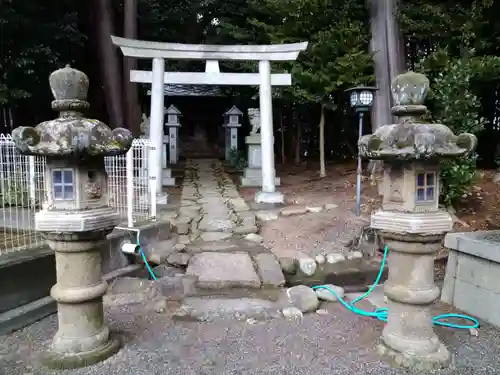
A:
(26, 277)
(472, 280)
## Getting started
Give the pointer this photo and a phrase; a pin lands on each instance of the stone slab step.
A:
(266, 293)
(216, 270)
(131, 291)
(158, 253)
(228, 245)
(207, 309)
(221, 270)
(352, 274)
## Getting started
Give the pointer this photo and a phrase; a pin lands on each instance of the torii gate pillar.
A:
(212, 53)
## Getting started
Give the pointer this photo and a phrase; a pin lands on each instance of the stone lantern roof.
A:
(412, 139)
(71, 135)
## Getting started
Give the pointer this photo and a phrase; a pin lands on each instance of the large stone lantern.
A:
(410, 222)
(75, 217)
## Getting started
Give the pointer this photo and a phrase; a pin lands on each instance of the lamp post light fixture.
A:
(360, 99)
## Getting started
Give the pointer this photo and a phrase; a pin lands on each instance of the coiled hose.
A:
(381, 313)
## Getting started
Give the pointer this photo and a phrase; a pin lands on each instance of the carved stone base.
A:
(272, 198)
(162, 198)
(65, 361)
(436, 222)
(167, 179)
(440, 359)
(252, 177)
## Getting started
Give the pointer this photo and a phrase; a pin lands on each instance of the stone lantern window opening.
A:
(425, 187)
(173, 119)
(63, 186)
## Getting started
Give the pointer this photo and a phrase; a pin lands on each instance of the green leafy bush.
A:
(15, 195)
(237, 159)
(455, 105)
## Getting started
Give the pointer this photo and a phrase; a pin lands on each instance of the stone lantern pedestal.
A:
(410, 222)
(252, 175)
(75, 217)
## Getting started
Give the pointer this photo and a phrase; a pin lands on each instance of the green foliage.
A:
(36, 37)
(457, 25)
(237, 159)
(454, 104)
(456, 178)
(337, 56)
(15, 194)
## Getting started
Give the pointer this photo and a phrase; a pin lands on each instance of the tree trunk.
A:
(131, 98)
(395, 40)
(109, 63)
(283, 158)
(381, 110)
(298, 134)
(389, 59)
(322, 166)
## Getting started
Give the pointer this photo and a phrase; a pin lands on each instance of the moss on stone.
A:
(403, 144)
(374, 143)
(466, 141)
(29, 136)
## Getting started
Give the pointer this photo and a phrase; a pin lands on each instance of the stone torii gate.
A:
(158, 52)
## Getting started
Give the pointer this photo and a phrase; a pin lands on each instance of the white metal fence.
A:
(131, 191)
(22, 191)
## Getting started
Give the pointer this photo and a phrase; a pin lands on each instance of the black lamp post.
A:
(361, 99)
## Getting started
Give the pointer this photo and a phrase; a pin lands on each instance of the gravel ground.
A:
(336, 343)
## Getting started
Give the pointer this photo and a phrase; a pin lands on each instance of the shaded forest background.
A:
(456, 43)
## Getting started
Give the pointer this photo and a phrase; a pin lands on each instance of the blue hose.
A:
(382, 313)
(145, 260)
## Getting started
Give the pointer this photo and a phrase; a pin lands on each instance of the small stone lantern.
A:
(231, 124)
(410, 222)
(75, 218)
(173, 124)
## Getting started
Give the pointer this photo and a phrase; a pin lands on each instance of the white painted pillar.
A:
(268, 193)
(156, 125)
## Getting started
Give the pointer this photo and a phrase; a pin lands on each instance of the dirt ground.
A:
(319, 233)
(313, 233)
(301, 184)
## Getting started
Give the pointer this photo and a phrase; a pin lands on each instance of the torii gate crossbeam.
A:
(264, 54)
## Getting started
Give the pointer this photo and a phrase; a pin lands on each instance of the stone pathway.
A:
(216, 254)
(219, 260)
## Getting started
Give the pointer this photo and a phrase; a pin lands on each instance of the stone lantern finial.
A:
(71, 135)
(409, 91)
(69, 85)
(412, 139)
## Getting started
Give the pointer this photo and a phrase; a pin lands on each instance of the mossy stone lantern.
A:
(75, 218)
(410, 222)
